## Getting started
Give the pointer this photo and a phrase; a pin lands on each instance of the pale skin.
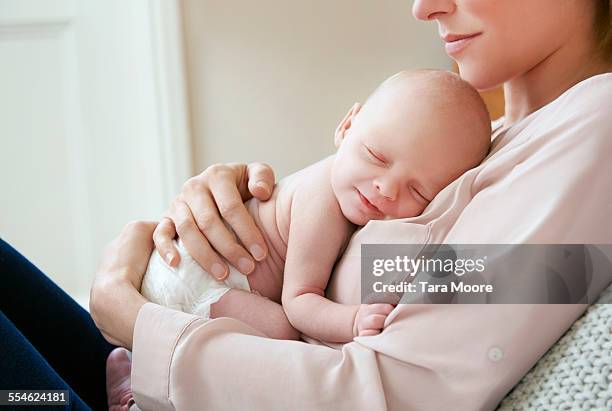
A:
(534, 62)
(308, 263)
(388, 165)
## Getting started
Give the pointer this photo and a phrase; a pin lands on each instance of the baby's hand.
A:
(370, 319)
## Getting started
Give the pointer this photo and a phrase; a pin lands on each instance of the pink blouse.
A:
(548, 179)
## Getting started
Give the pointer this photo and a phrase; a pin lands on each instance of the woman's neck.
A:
(546, 81)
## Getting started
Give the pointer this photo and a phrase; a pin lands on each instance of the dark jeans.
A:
(47, 341)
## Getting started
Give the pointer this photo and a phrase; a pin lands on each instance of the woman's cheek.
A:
(517, 35)
(482, 64)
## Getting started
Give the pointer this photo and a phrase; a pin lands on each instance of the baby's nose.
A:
(387, 189)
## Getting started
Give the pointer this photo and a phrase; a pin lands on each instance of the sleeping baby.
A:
(416, 133)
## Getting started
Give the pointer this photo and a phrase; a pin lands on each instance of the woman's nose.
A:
(432, 9)
(387, 189)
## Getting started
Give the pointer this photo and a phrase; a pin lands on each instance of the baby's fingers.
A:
(384, 309)
(368, 333)
(373, 321)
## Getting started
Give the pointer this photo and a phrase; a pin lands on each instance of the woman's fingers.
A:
(205, 211)
(210, 213)
(230, 206)
(261, 180)
(162, 237)
(222, 239)
(196, 244)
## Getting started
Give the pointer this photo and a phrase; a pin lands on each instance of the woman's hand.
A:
(115, 298)
(199, 214)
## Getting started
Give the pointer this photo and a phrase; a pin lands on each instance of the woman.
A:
(546, 180)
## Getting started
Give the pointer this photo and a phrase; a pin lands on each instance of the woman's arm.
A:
(197, 215)
(461, 357)
(430, 357)
(114, 298)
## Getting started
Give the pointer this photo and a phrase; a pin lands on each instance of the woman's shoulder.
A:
(576, 127)
(584, 106)
(580, 117)
(587, 103)
(581, 113)
(597, 84)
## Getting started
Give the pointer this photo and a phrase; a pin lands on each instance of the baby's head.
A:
(417, 132)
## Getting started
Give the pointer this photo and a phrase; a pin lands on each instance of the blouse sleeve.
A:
(430, 357)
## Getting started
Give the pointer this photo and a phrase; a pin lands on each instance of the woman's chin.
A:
(478, 75)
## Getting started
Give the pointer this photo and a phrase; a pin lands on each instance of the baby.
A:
(416, 133)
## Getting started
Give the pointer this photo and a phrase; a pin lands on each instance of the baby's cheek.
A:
(408, 207)
(336, 183)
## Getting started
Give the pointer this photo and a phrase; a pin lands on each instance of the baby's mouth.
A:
(368, 204)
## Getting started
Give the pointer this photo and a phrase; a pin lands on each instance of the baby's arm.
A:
(257, 311)
(317, 236)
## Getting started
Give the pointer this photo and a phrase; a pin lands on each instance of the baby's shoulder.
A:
(312, 182)
(312, 197)
(313, 189)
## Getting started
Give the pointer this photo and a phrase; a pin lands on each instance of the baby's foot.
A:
(118, 382)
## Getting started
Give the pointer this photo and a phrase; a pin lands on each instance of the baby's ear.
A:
(345, 124)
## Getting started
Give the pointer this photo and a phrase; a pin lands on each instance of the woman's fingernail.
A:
(169, 258)
(218, 271)
(245, 265)
(257, 252)
(263, 186)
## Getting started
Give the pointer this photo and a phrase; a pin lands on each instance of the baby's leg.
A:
(259, 312)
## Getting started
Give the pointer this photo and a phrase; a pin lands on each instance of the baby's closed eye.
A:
(373, 156)
(418, 196)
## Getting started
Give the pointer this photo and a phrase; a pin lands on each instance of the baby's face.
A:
(391, 165)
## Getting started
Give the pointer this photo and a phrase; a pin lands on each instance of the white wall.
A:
(270, 80)
(91, 126)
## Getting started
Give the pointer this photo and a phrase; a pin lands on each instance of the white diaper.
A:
(187, 288)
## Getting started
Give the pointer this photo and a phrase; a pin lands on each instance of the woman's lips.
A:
(455, 44)
(367, 204)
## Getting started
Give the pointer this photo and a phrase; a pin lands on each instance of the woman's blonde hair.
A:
(603, 27)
